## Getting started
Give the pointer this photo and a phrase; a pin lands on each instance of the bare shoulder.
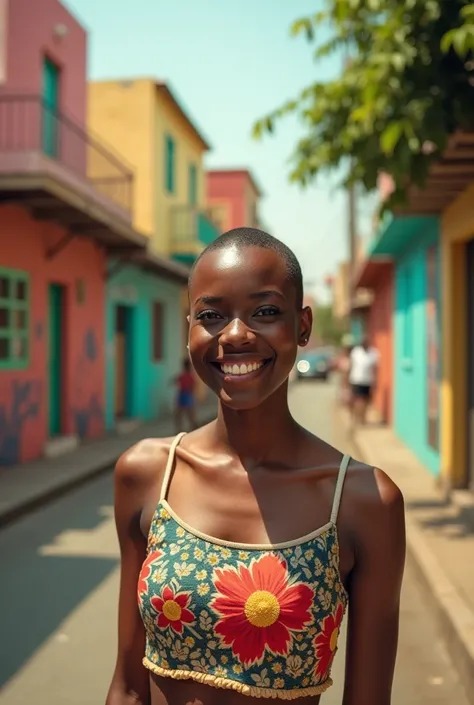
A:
(374, 503)
(143, 462)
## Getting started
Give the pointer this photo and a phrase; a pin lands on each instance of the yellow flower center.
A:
(262, 609)
(172, 610)
(333, 639)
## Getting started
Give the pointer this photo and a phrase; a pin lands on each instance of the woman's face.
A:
(245, 324)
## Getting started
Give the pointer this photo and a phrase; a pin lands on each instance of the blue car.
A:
(314, 364)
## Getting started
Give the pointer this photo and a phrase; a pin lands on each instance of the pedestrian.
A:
(363, 378)
(344, 368)
(185, 401)
(249, 537)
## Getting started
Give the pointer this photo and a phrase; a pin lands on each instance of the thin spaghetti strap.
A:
(169, 466)
(339, 486)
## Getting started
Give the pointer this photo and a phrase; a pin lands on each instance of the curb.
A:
(67, 484)
(454, 616)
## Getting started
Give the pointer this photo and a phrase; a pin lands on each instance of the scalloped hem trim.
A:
(242, 688)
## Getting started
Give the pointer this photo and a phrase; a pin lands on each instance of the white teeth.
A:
(242, 369)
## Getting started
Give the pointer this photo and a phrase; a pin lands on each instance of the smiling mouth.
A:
(241, 370)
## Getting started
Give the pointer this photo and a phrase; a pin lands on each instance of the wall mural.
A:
(88, 410)
(25, 404)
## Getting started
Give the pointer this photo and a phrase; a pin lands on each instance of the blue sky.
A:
(230, 63)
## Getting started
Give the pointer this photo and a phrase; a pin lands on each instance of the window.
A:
(170, 165)
(14, 319)
(193, 178)
(157, 332)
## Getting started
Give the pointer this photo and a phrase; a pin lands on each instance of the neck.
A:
(259, 433)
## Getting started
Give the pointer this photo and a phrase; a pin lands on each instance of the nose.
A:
(236, 334)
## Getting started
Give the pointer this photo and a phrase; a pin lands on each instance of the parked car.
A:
(314, 364)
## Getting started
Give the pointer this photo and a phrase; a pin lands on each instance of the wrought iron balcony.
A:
(29, 128)
(192, 229)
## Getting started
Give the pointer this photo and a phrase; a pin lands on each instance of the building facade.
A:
(234, 198)
(458, 340)
(166, 150)
(64, 207)
(153, 133)
(143, 336)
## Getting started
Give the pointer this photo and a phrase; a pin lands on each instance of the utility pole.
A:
(352, 239)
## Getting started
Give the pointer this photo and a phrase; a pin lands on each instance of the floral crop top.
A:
(262, 620)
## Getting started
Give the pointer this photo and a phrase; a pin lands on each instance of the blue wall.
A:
(411, 346)
(149, 389)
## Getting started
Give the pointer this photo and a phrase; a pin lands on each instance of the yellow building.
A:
(458, 341)
(150, 130)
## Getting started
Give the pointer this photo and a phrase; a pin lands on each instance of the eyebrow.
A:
(268, 293)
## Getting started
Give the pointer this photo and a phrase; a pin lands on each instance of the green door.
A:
(55, 357)
(50, 108)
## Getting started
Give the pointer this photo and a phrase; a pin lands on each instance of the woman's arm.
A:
(374, 592)
(130, 682)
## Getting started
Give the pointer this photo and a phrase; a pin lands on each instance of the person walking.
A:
(364, 360)
(243, 542)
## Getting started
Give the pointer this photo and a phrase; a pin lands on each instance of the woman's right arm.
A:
(130, 682)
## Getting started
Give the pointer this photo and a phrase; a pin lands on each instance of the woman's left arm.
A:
(374, 592)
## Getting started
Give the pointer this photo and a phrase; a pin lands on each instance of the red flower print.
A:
(145, 572)
(172, 609)
(325, 643)
(259, 609)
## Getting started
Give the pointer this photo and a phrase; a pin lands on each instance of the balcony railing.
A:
(28, 125)
(192, 229)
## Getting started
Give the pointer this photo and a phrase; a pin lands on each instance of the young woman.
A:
(243, 542)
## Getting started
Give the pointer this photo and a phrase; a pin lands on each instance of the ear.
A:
(188, 318)
(306, 326)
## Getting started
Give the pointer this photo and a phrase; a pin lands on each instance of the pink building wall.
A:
(30, 37)
(24, 393)
(237, 191)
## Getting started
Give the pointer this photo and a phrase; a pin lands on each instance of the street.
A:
(59, 594)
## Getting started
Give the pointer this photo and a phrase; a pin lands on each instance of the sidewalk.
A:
(440, 539)
(24, 487)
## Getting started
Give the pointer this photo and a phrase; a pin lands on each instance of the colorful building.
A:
(143, 338)
(451, 187)
(153, 133)
(234, 198)
(65, 204)
(66, 229)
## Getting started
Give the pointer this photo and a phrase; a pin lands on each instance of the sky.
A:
(231, 63)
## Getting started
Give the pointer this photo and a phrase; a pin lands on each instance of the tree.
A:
(405, 88)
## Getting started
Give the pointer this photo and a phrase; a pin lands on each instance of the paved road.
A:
(58, 595)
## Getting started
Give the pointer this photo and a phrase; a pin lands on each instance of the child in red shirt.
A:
(186, 384)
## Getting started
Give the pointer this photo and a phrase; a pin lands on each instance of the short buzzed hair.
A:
(252, 237)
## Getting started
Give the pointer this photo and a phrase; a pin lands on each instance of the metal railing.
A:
(191, 226)
(27, 124)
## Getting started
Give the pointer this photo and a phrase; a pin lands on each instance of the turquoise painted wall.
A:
(411, 347)
(150, 392)
(357, 328)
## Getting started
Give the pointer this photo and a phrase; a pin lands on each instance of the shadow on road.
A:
(52, 561)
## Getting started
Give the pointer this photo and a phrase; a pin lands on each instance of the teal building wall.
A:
(149, 388)
(411, 353)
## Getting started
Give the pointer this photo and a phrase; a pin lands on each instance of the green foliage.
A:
(406, 87)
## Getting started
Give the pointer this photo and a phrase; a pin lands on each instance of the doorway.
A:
(470, 364)
(50, 108)
(123, 360)
(56, 361)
